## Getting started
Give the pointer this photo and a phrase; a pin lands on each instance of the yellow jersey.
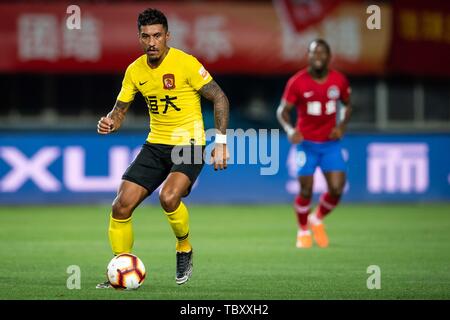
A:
(171, 93)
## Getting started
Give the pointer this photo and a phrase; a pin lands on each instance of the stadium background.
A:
(57, 82)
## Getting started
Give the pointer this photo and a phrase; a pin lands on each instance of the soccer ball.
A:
(126, 271)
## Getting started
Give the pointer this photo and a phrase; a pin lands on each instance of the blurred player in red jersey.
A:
(316, 92)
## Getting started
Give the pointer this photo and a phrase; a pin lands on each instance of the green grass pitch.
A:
(241, 252)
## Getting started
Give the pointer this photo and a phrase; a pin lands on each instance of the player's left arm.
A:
(339, 131)
(341, 125)
(215, 94)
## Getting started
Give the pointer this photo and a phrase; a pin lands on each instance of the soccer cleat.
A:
(320, 236)
(304, 240)
(184, 266)
(104, 285)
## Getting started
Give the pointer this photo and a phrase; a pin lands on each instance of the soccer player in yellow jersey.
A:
(171, 81)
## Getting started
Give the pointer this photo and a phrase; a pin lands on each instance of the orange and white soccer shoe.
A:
(304, 240)
(319, 234)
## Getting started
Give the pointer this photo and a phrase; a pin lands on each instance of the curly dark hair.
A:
(152, 16)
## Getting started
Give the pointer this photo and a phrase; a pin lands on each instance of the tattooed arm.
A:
(214, 93)
(113, 120)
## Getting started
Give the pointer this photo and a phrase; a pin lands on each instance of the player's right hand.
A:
(105, 125)
(295, 136)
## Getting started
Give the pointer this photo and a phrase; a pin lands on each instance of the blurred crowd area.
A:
(383, 100)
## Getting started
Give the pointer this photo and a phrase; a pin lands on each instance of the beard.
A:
(320, 71)
(153, 58)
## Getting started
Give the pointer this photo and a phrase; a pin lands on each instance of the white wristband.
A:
(221, 138)
(290, 131)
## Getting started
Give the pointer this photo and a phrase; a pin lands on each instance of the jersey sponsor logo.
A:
(308, 94)
(314, 108)
(152, 102)
(333, 92)
(330, 107)
(141, 83)
(168, 81)
(203, 73)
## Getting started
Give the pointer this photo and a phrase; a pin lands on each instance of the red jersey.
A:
(317, 103)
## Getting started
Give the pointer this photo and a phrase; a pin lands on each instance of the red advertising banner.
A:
(421, 37)
(246, 38)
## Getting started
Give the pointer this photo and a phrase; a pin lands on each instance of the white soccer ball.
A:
(126, 271)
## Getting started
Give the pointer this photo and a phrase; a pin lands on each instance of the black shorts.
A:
(154, 163)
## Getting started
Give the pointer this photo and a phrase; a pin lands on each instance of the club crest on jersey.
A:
(168, 81)
(333, 93)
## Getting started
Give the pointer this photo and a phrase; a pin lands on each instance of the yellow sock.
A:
(121, 235)
(179, 221)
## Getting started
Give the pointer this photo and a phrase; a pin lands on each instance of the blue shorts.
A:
(326, 155)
